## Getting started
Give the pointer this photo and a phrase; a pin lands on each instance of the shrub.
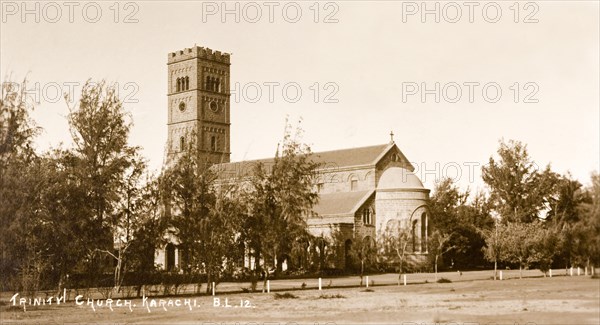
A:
(285, 295)
(444, 280)
(336, 296)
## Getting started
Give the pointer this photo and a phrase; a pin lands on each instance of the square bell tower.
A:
(198, 103)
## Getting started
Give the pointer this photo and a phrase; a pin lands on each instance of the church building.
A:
(362, 191)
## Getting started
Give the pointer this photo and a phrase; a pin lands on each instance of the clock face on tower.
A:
(182, 106)
(214, 107)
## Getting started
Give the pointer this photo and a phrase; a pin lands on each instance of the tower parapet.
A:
(199, 52)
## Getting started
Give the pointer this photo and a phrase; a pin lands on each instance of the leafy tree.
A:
(518, 190)
(22, 262)
(150, 227)
(546, 243)
(564, 204)
(495, 245)
(100, 128)
(205, 215)
(219, 233)
(279, 200)
(188, 190)
(17, 129)
(130, 215)
(573, 216)
(588, 233)
(24, 239)
(458, 214)
(438, 245)
(65, 206)
(522, 241)
(394, 245)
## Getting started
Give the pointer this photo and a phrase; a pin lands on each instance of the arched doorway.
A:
(169, 257)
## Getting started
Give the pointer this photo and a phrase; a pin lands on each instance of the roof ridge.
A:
(352, 148)
(312, 154)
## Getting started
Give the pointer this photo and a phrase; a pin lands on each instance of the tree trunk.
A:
(435, 266)
(265, 276)
(495, 268)
(520, 271)
(118, 274)
(362, 271)
(208, 282)
(60, 282)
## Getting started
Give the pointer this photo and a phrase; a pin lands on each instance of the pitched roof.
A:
(341, 203)
(334, 158)
(352, 156)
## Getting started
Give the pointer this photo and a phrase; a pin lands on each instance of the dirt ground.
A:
(558, 300)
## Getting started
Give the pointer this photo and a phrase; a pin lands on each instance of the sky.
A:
(352, 71)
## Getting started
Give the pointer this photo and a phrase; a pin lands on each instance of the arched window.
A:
(181, 143)
(218, 85)
(353, 185)
(178, 84)
(207, 86)
(413, 235)
(187, 83)
(367, 216)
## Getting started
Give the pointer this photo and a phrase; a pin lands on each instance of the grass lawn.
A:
(558, 300)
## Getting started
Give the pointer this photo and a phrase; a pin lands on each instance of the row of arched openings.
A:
(183, 83)
(213, 84)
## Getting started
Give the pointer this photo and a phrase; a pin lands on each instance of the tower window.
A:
(208, 84)
(187, 83)
(181, 143)
(213, 143)
(178, 84)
